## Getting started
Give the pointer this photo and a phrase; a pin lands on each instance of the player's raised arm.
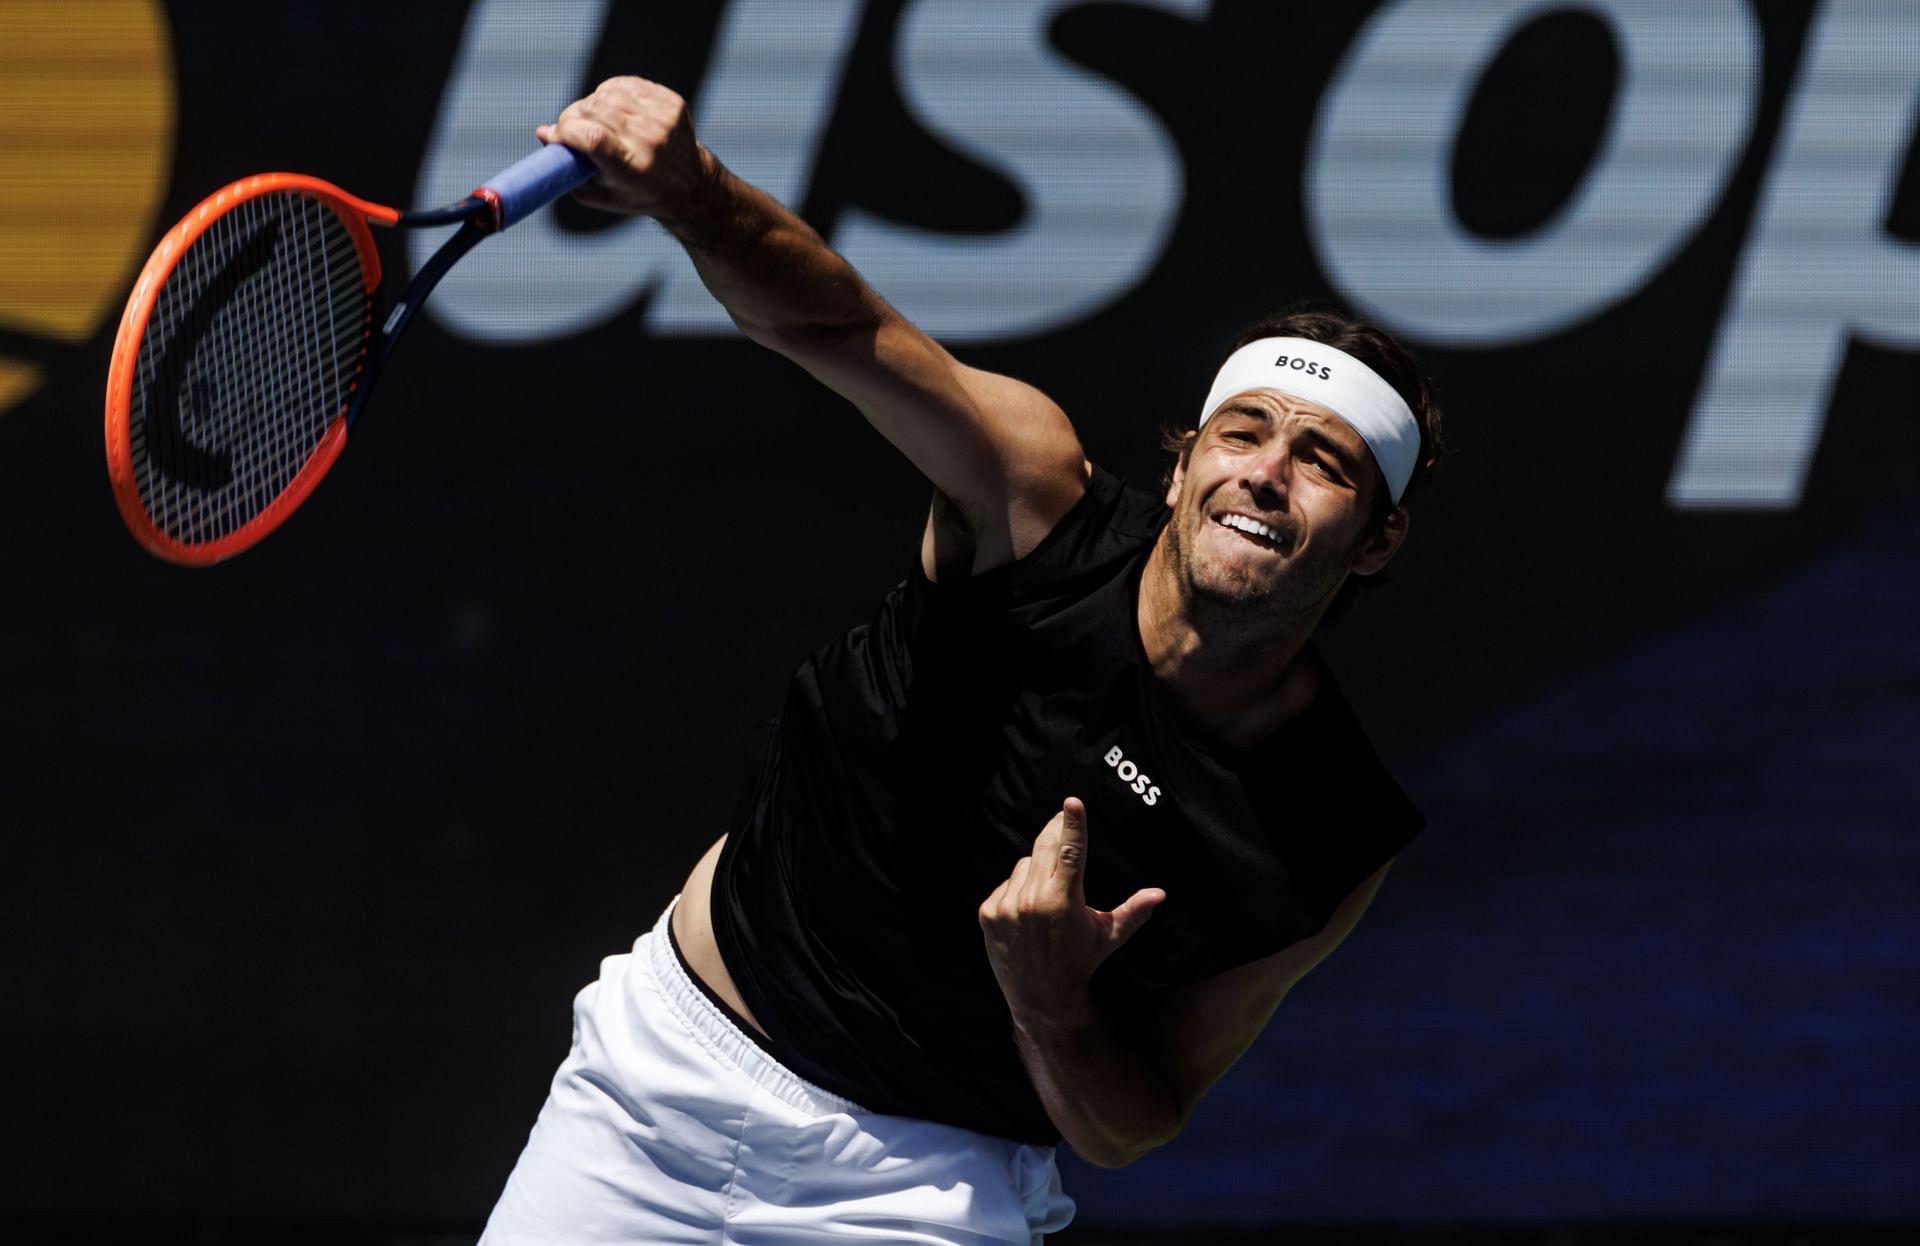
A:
(1000, 449)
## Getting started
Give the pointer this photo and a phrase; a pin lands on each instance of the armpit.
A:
(947, 545)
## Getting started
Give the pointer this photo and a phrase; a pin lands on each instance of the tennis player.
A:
(1035, 852)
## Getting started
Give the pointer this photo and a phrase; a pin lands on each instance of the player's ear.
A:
(1378, 548)
(1180, 470)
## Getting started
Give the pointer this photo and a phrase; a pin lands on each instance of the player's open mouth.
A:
(1260, 534)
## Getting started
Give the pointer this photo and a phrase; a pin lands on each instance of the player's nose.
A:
(1267, 477)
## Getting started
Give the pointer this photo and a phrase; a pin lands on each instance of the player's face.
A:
(1272, 506)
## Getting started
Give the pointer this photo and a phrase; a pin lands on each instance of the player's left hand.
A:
(1043, 940)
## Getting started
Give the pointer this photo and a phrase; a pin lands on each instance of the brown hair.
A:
(1385, 356)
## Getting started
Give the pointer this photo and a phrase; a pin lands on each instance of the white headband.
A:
(1335, 380)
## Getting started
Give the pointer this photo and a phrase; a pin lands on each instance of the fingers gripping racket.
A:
(251, 342)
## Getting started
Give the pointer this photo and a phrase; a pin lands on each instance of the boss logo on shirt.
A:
(1131, 776)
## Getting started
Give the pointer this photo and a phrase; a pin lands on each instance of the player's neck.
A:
(1238, 675)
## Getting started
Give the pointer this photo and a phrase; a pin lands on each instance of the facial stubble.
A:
(1235, 594)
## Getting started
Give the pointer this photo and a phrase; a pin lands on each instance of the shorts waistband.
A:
(723, 1039)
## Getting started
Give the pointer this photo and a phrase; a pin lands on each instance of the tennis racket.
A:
(252, 339)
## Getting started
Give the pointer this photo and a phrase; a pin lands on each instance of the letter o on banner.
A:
(1379, 210)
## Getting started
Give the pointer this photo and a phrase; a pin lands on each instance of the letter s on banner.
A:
(1379, 210)
(764, 101)
(1102, 178)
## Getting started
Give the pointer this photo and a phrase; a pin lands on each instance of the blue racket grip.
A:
(528, 185)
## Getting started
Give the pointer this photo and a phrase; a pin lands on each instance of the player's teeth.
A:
(1253, 526)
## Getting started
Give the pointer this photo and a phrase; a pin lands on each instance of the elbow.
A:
(1119, 1153)
(1112, 1158)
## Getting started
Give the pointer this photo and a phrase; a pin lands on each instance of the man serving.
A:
(880, 1001)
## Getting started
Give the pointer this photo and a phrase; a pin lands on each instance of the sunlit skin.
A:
(1224, 614)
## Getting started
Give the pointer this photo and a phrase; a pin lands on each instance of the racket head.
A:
(242, 348)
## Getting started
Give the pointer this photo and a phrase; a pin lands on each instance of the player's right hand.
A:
(1043, 939)
(640, 134)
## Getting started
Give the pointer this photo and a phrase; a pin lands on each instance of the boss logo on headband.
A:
(1322, 370)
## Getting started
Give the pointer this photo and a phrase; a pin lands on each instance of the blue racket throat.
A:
(504, 200)
(396, 318)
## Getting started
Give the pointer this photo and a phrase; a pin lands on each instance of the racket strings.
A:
(252, 349)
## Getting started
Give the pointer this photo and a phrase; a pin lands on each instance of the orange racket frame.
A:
(509, 196)
(354, 213)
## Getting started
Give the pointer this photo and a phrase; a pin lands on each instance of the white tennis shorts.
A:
(667, 1124)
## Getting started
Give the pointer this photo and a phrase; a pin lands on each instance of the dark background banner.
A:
(307, 853)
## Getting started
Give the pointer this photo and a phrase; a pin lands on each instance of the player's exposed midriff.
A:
(693, 930)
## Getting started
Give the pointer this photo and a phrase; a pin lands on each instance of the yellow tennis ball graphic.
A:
(86, 143)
